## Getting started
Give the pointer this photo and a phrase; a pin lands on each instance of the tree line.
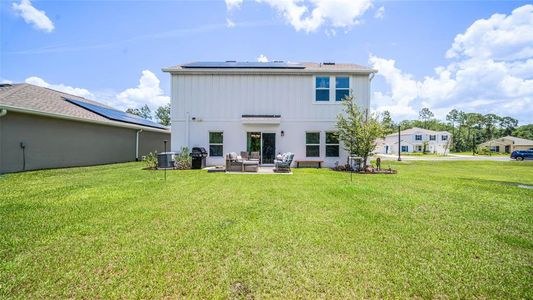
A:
(469, 129)
(162, 113)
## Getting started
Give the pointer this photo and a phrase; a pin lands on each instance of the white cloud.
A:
(231, 4)
(262, 58)
(33, 16)
(229, 23)
(492, 72)
(380, 13)
(499, 37)
(147, 92)
(60, 87)
(404, 89)
(310, 15)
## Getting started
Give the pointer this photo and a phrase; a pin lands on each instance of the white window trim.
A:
(338, 144)
(332, 89)
(434, 135)
(421, 137)
(341, 89)
(322, 89)
(306, 144)
(444, 137)
(215, 144)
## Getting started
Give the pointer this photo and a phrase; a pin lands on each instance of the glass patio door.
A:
(263, 143)
(268, 148)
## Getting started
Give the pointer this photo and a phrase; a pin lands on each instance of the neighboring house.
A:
(42, 128)
(508, 144)
(413, 140)
(269, 108)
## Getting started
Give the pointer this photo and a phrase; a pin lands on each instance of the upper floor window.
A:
(216, 141)
(432, 137)
(418, 137)
(444, 137)
(342, 88)
(332, 144)
(312, 144)
(322, 89)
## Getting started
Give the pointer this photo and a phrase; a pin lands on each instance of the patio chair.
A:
(233, 163)
(254, 155)
(244, 155)
(284, 164)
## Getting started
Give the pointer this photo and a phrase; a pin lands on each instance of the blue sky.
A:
(113, 51)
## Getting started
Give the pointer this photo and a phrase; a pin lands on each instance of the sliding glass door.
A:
(263, 144)
(268, 149)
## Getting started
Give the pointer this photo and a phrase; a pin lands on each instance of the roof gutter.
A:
(204, 71)
(71, 118)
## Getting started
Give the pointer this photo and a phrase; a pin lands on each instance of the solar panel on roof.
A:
(115, 115)
(244, 65)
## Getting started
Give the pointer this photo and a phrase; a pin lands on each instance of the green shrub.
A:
(484, 151)
(151, 160)
(183, 160)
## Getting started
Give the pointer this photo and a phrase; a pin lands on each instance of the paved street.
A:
(448, 157)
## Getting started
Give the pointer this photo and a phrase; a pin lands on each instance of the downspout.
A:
(187, 129)
(3, 112)
(137, 144)
(369, 93)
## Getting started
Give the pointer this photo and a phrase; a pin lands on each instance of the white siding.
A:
(218, 102)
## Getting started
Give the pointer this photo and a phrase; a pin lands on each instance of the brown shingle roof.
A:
(334, 66)
(308, 67)
(44, 100)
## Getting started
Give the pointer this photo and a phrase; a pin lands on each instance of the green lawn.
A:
(454, 229)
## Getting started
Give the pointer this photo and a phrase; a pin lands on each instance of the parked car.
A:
(522, 154)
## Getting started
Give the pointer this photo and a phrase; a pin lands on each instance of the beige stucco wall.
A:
(57, 143)
(523, 147)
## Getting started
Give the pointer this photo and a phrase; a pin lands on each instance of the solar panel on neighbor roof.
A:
(243, 64)
(115, 115)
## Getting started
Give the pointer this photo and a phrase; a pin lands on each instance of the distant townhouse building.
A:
(413, 140)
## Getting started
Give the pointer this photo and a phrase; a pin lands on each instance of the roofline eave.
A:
(78, 119)
(203, 71)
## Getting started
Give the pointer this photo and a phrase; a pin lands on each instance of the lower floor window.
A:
(332, 144)
(495, 148)
(405, 148)
(312, 144)
(216, 141)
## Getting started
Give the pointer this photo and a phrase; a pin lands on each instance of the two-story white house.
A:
(413, 140)
(270, 108)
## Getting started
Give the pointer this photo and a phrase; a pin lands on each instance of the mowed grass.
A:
(436, 230)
